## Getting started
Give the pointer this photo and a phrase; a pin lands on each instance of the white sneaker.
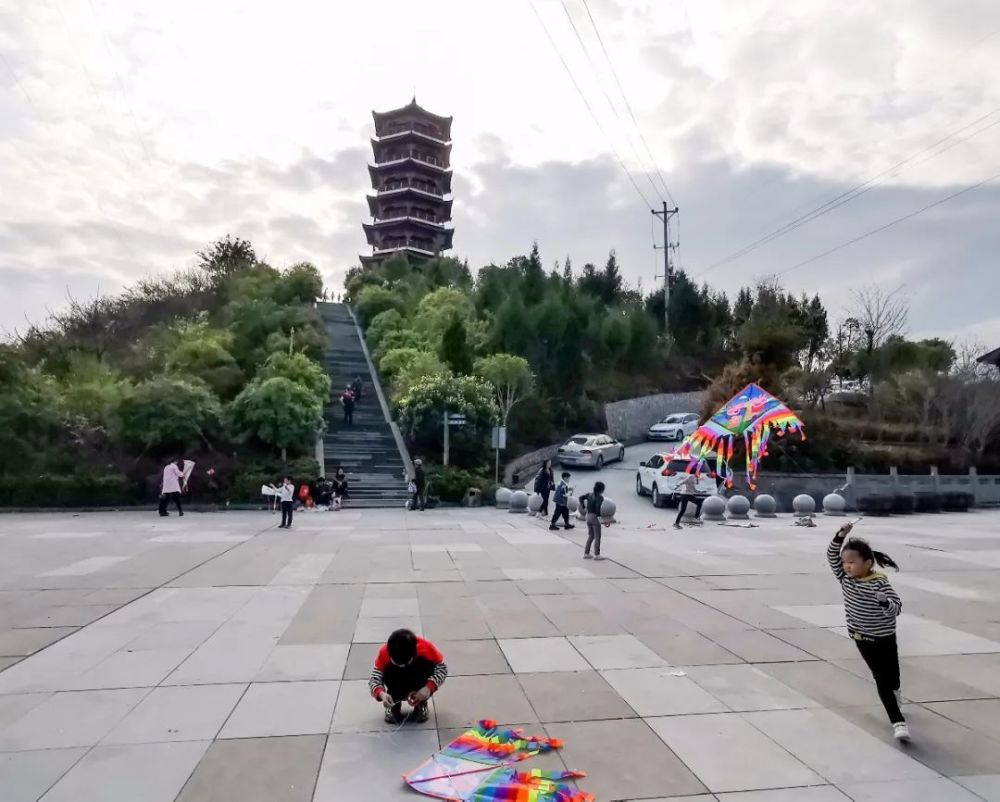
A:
(598, 557)
(901, 732)
(587, 557)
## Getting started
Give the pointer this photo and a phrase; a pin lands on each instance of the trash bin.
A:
(473, 497)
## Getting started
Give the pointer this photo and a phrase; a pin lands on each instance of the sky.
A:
(132, 134)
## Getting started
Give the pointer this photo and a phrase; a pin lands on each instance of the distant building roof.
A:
(992, 358)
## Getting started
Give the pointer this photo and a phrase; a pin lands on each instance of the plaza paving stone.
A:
(215, 657)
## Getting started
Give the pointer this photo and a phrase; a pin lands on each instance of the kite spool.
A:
(834, 504)
(765, 506)
(502, 498)
(804, 505)
(714, 509)
(535, 503)
(519, 502)
(738, 508)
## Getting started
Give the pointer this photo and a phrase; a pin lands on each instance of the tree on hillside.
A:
(278, 412)
(567, 271)
(511, 379)
(299, 369)
(226, 257)
(168, 413)
(455, 351)
(880, 314)
(372, 299)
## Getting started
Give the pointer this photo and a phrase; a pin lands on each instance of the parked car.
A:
(675, 426)
(659, 476)
(592, 450)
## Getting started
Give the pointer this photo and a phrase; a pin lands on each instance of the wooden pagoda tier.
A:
(411, 178)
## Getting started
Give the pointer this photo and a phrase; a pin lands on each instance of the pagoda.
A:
(411, 179)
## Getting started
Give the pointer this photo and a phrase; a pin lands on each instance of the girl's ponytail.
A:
(883, 560)
(880, 558)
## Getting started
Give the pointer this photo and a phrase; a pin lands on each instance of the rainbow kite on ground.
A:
(752, 413)
(478, 766)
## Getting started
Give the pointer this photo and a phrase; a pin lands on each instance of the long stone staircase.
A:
(367, 451)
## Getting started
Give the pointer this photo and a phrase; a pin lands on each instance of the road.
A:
(619, 481)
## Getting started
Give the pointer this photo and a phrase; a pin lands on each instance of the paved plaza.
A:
(217, 658)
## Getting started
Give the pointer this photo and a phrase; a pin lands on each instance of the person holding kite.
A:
(407, 669)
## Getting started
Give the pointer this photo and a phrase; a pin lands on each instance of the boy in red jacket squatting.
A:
(407, 668)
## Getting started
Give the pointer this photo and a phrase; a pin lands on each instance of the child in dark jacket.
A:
(593, 502)
(407, 668)
(871, 606)
(562, 503)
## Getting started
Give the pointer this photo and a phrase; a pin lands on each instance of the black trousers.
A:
(682, 507)
(882, 657)
(563, 510)
(166, 498)
(545, 501)
(286, 513)
(418, 499)
(349, 415)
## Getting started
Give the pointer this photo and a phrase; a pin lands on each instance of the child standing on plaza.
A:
(562, 503)
(871, 605)
(593, 501)
(286, 493)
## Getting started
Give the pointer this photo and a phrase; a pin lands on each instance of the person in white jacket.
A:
(171, 486)
(286, 492)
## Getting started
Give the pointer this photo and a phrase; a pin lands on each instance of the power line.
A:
(855, 191)
(607, 97)
(890, 224)
(628, 105)
(586, 103)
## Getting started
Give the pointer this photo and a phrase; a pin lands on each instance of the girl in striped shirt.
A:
(871, 605)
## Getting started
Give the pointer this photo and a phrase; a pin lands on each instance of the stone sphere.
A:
(519, 501)
(804, 504)
(834, 504)
(738, 507)
(765, 506)
(535, 503)
(572, 503)
(608, 509)
(713, 509)
(502, 497)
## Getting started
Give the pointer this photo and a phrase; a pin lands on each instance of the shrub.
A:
(277, 412)
(167, 412)
(451, 484)
(68, 490)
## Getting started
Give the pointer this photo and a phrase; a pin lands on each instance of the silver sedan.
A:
(590, 450)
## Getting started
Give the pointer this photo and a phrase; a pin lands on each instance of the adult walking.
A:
(544, 482)
(170, 486)
(419, 486)
(347, 402)
(356, 388)
(688, 490)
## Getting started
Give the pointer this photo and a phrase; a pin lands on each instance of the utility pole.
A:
(668, 269)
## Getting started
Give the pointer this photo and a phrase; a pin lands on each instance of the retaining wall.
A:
(629, 419)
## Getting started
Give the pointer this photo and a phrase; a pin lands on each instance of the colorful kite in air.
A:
(479, 766)
(754, 414)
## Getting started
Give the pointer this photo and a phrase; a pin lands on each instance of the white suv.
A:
(660, 474)
(676, 426)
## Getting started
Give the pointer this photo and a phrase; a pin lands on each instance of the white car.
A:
(661, 473)
(591, 450)
(675, 426)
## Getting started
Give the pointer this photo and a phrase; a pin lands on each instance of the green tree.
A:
(372, 300)
(299, 369)
(381, 325)
(511, 379)
(226, 257)
(455, 351)
(277, 412)
(404, 367)
(203, 355)
(168, 413)
(300, 284)
(29, 412)
(438, 309)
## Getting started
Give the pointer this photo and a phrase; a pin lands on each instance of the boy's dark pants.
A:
(401, 681)
(286, 513)
(166, 498)
(687, 498)
(882, 657)
(563, 510)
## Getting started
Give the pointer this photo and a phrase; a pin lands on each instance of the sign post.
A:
(499, 441)
(451, 419)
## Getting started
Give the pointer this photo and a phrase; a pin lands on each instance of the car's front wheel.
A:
(638, 486)
(657, 498)
(621, 455)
